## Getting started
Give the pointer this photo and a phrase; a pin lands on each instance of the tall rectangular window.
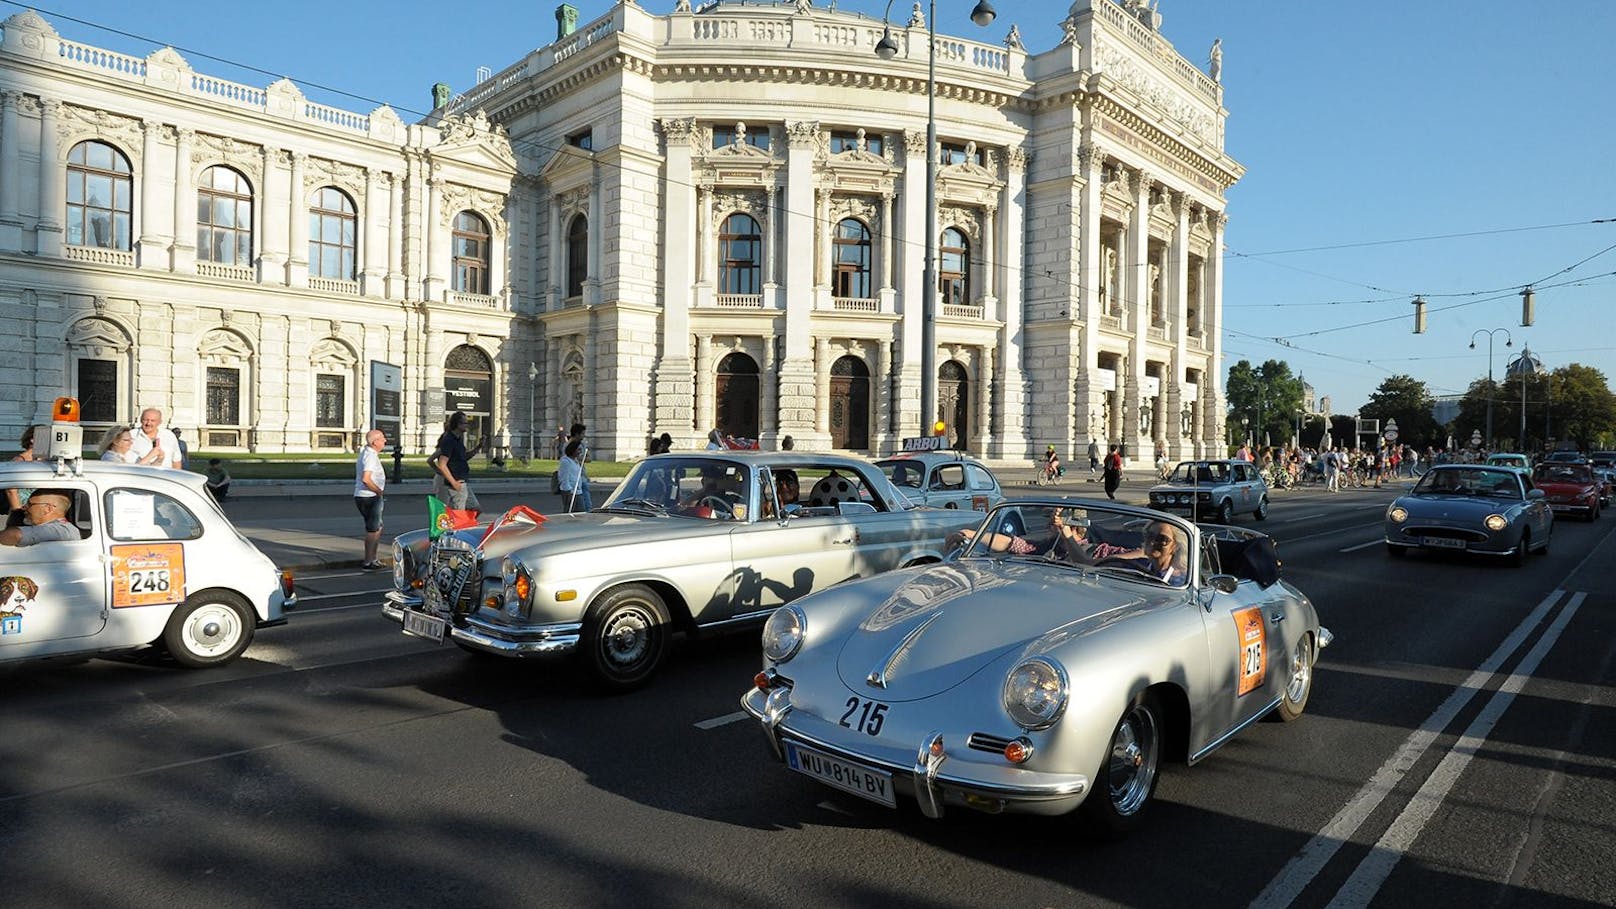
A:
(224, 396)
(98, 391)
(330, 393)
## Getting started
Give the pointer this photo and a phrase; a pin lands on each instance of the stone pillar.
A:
(370, 254)
(706, 406)
(769, 397)
(52, 179)
(1212, 386)
(1136, 290)
(597, 237)
(985, 422)
(1089, 398)
(912, 291)
(990, 261)
(798, 388)
(152, 251)
(705, 251)
(1177, 294)
(886, 241)
(396, 285)
(184, 249)
(670, 382)
(883, 439)
(273, 205)
(823, 240)
(435, 252)
(297, 253)
(1010, 436)
(10, 163)
(822, 361)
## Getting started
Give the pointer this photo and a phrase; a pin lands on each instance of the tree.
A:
(1406, 400)
(1263, 402)
(1581, 406)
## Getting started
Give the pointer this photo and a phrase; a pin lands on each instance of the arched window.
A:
(577, 255)
(740, 256)
(470, 253)
(224, 217)
(954, 278)
(333, 235)
(852, 277)
(99, 189)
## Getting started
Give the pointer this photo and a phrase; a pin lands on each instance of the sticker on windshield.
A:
(1253, 650)
(148, 574)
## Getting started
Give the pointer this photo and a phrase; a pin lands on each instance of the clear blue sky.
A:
(1358, 123)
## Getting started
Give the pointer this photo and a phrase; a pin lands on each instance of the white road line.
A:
(1330, 533)
(1303, 867)
(1361, 546)
(1372, 872)
(724, 720)
(1305, 517)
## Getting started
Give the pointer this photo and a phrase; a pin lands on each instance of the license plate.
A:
(1442, 542)
(425, 626)
(875, 785)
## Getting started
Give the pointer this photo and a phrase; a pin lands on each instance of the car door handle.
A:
(1276, 617)
(847, 540)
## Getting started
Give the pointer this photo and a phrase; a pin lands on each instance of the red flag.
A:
(443, 519)
(517, 511)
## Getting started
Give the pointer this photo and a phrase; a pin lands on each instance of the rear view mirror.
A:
(1535, 494)
(1224, 583)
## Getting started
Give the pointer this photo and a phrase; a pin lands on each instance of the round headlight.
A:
(1035, 693)
(1496, 522)
(782, 634)
(507, 571)
(401, 576)
(1398, 514)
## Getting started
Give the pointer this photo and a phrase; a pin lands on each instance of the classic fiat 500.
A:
(1046, 670)
(149, 560)
(1212, 490)
(689, 541)
(944, 479)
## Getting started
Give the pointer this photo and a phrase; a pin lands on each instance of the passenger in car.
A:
(47, 521)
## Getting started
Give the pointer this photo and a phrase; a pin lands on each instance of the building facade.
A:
(713, 218)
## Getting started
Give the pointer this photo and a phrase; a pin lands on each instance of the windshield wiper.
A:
(645, 505)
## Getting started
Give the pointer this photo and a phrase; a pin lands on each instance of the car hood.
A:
(1452, 506)
(944, 624)
(594, 530)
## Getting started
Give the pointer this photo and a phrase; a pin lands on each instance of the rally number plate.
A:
(875, 785)
(425, 626)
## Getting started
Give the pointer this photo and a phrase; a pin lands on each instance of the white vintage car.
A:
(155, 562)
(690, 541)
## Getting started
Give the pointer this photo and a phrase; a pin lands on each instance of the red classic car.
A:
(1571, 488)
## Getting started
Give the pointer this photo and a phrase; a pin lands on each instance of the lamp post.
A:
(1508, 342)
(532, 393)
(982, 14)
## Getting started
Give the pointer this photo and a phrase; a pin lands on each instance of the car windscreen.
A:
(1091, 537)
(1191, 473)
(702, 487)
(903, 473)
(1469, 482)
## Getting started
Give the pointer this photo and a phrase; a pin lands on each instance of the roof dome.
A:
(1525, 363)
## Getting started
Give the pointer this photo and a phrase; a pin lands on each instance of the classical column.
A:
(912, 291)
(883, 437)
(671, 384)
(886, 240)
(395, 237)
(435, 250)
(184, 249)
(153, 252)
(52, 179)
(597, 236)
(10, 160)
(705, 251)
(985, 401)
(824, 232)
(1136, 290)
(990, 261)
(273, 204)
(1212, 390)
(1010, 436)
(798, 387)
(705, 387)
(822, 384)
(1178, 278)
(297, 253)
(371, 253)
(1089, 397)
(769, 425)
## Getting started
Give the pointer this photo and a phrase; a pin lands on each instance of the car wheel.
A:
(1262, 509)
(1126, 777)
(209, 629)
(626, 637)
(1520, 551)
(1300, 684)
(1226, 512)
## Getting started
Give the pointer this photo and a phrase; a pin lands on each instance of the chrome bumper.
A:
(925, 780)
(534, 641)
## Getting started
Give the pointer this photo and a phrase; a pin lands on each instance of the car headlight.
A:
(1397, 513)
(1496, 522)
(783, 633)
(1035, 693)
(401, 570)
(517, 586)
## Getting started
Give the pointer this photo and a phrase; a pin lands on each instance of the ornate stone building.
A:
(716, 219)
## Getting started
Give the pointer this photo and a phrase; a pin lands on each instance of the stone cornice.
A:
(1223, 172)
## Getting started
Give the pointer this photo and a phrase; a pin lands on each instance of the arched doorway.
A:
(849, 404)
(468, 386)
(736, 389)
(954, 402)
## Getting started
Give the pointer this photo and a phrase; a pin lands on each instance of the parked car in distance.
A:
(1513, 461)
(1604, 465)
(1044, 674)
(693, 542)
(1471, 508)
(1564, 456)
(1571, 488)
(943, 479)
(155, 562)
(1213, 491)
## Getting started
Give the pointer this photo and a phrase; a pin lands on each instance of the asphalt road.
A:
(1458, 751)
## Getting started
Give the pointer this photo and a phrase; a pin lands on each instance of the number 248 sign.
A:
(148, 574)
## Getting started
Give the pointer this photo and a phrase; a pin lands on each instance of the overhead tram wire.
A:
(538, 147)
(1473, 233)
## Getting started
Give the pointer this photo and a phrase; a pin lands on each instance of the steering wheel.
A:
(716, 503)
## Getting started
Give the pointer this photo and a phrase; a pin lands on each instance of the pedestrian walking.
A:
(1113, 472)
(575, 433)
(574, 481)
(1094, 457)
(451, 465)
(1332, 469)
(370, 484)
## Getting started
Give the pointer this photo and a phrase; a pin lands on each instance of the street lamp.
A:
(1508, 342)
(887, 48)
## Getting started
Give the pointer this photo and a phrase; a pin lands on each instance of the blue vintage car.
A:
(1471, 508)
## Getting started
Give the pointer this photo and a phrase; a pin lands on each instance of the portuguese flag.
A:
(441, 518)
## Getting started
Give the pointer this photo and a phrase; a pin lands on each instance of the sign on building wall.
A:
(1106, 379)
(468, 394)
(386, 399)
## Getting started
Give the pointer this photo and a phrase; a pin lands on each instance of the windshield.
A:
(693, 487)
(1563, 473)
(1116, 542)
(904, 473)
(1193, 472)
(1469, 481)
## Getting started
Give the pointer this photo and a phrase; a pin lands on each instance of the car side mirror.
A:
(1535, 494)
(1224, 583)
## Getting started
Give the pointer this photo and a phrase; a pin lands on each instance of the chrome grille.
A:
(1451, 533)
(982, 741)
(454, 573)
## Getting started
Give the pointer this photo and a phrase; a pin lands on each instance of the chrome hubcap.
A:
(1132, 766)
(626, 639)
(1301, 673)
(211, 630)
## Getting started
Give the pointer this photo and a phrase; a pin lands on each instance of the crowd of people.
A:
(1337, 465)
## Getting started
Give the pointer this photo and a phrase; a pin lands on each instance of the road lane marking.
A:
(1361, 546)
(724, 720)
(1303, 867)
(1377, 866)
(1330, 533)
(1305, 517)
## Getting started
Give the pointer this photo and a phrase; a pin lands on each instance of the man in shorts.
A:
(370, 484)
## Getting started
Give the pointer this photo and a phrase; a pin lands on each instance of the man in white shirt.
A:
(370, 482)
(152, 436)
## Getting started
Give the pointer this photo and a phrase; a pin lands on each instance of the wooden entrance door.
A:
(850, 404)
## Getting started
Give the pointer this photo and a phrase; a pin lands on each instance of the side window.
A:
(134, 514)
(980, 478)
(948, 476)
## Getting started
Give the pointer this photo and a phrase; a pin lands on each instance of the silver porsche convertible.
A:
(1051, 668)
(689, 541)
